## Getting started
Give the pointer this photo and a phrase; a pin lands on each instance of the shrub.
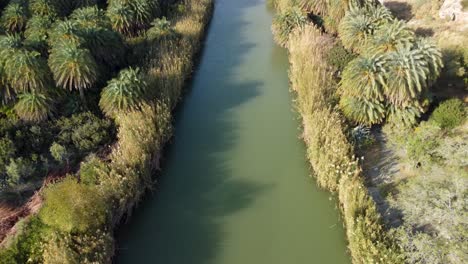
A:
(19, 171)
(92, 170)
(73, 207)
(421, 145)
(83, 133)
(449, 114)
(339, 57)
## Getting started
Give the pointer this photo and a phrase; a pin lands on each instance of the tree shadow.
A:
(424, 32)
(400, 10)
(180, 222)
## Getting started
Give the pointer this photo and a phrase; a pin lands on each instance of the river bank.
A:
(325, 132)
(125, 175)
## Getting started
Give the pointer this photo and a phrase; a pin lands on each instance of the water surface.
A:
(235, 187)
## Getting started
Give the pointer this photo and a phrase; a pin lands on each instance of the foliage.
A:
(73, 67)
(15, 16)
(449, 114)
(124, 93)
(359, 25)
(392, 36)
(286, 22)
(129, 17)
(362, 110)
(160, 27)
(33, 106)
(83, 133)
(26, 71)
(70, 206)
(339, 57)
(92, 170)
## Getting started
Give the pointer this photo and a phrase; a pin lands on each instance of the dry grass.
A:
(329, 151)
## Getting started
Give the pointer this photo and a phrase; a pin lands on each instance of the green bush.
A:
(339, 57)
(449, 114)
(73, 207)
(92, 169)
(421, 144)
(84, 133)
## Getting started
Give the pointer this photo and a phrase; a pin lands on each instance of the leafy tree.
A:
(449, 114)
(72, 207)
(83, 133)
(15, 16)
(34, 106)
(19, 170)
(60, 153)
(73, 67)
(124, 93)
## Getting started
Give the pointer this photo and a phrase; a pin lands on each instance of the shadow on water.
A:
(179, 223)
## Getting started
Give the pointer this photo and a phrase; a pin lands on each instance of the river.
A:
(236, 186)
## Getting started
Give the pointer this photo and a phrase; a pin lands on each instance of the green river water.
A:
(235, 187)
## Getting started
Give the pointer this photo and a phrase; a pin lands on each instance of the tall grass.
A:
(329, 151)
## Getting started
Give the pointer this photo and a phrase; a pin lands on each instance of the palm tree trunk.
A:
(83, 98)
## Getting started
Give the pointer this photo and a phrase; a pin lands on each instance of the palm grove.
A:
(87, 91)
(60, 61)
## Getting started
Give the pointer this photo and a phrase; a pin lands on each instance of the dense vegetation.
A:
(67, 93)
(354, 65)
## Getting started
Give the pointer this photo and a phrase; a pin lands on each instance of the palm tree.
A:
(126, 92)
(121, 17)
(407, 75)
(15, 16)
(65, 7)
(407, 116)
(365, 76)
(359, 24)
(432, 55)
(362, 111)
(130, 16)
(26, 71)
(90, 17)
(73, 67)
(100, 41)
(286, 22)
(65, 33)
(9, 44)
(43, 8)
(391, 36)
(34, 106)
(5, 91)
(160, 27)
(37, 32)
